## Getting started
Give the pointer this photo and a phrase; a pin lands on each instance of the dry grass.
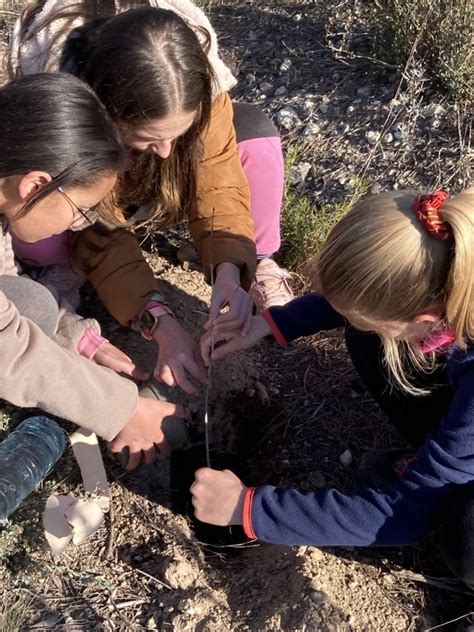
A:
(438, 32)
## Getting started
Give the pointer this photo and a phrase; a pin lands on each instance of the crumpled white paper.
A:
(68, 519)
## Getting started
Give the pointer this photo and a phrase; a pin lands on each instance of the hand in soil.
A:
(113, 358)
(178, 358)
(143, 434)
(218, 497)
(228, 293)
(227, 342)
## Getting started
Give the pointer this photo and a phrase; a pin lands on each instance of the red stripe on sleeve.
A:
(247, 513)
(275, 331)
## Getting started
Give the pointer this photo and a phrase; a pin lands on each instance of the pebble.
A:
(266, 87)
(285, 65)
(299, 173)
(372, 137)
(433, 109)
(318, 596)
(51, 621)
(288, 118)
(281, 91)
(311, 129)
(250, 78)
(376, 188)
(344, 128)
(398, 132)
(388, 138)
(364, 91)
(350, 109)
(346, 458)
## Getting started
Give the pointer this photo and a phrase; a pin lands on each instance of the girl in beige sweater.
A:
(60, 155)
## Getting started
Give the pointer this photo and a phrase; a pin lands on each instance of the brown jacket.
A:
(114, 263)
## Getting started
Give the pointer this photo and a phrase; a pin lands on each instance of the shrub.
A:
(437, 31)
(304, 227)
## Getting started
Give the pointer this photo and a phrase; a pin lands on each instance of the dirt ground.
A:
(281, 416)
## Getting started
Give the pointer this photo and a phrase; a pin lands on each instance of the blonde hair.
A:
(380, 262)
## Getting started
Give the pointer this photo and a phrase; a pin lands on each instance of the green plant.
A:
(305, 227)
(14, 613)
(439, 32)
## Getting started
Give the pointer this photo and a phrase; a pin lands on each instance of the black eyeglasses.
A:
(94, 216)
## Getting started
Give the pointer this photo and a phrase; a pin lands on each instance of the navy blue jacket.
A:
(401, 514)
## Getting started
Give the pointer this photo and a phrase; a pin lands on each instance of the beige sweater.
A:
(39, 373)
(39, 55)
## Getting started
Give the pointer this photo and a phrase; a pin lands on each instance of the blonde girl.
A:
(397, 273)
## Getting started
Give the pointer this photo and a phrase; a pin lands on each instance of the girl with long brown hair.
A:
(155, 66)
(397, 273)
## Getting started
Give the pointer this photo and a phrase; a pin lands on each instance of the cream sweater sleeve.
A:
(38, 373)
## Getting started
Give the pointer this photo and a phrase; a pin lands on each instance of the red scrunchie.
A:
(427, 210)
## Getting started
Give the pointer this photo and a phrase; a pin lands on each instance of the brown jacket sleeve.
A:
(115, 266)
(223, 192)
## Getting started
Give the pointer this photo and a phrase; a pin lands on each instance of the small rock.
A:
(398, 132)
(435, 123)
(297, 17)
(318, 596)
(346, 458)
(266, 87)
(311, 129)
(150, 624)
(250, 78)
(288, 118)
(350, 109)
(323, 108)
(299, 173)
(433, 109)
(49, 622)
(364, 91)
(388, 138)
(285, 65)
(372, 137)
(344, 128)
(281, 91)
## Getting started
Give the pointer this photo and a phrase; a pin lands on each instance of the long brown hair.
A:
(144, 63)
(381, 263)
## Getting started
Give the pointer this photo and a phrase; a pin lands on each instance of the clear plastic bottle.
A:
(26, 456)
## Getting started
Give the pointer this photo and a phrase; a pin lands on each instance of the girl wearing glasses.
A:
(60, 155)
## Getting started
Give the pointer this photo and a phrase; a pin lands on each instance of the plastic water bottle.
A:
(26, 457)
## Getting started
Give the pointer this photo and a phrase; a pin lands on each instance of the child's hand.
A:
(218, 497)
(110, 356)
(234, 340)
(227, 292)
(143, 433)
